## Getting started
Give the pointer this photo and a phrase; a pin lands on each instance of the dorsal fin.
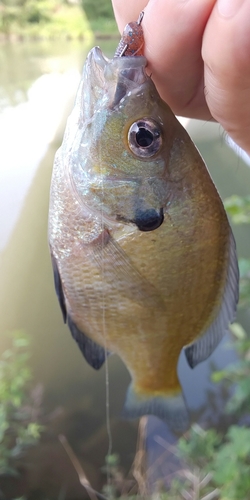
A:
(205, 345)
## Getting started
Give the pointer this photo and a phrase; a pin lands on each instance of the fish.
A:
(143, 254)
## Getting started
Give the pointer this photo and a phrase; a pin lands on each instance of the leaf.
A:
(16, 429)
(238, 207)
(239, 441)
(244, 267)
(238, 331)
(198, 448)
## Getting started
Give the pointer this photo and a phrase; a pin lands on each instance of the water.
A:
(37, 86)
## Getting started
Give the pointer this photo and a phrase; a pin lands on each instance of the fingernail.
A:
(228, 8)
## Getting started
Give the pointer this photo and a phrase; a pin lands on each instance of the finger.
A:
(173, 31)
(226, 54)
(173, 37)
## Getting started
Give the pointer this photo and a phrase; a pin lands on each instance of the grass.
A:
(188, 483)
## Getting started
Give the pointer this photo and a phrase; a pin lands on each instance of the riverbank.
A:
(66, 23)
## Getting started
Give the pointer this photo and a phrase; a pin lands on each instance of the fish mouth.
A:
(147, 220)
(115, 77)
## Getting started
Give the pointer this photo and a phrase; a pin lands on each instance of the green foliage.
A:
(104, 26)
(244, 266)
(56, 18)
(216, 466)
(192, 485)
(17, 426)
(200, 446)
(238, 373)
(225, 457)
(36, 12)
(111, 468)
(98, 9)
(232, 464)
(43, 19)
(238, 207)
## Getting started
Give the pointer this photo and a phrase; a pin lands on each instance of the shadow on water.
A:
(28, 301)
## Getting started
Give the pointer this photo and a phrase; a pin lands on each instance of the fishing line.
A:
(107, 391)
(139, 36)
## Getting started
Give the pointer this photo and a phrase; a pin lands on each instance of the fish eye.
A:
(145, 138)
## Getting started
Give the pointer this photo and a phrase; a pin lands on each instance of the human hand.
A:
(198, 52)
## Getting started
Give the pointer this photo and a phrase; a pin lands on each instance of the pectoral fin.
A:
(204, 346)
(115, 264)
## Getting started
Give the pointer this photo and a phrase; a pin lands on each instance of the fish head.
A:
(121, 142)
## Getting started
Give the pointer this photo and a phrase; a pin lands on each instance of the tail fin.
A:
(171, 409)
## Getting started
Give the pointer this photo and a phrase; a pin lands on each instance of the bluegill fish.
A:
(143, 255)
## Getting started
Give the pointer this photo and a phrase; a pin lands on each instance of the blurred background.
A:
(47, 390)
